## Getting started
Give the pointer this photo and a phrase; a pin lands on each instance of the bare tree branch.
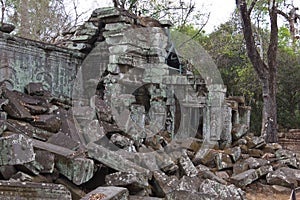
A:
(251, 6)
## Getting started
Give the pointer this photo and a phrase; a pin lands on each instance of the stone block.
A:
(3, 126)
(186, 165)
(245, 178)
(34, 191)
(15, 107)
(16, 149)
(92, 131)
(205, 156)
(7, 171)
(78, 170)
(163, 184)
(264, 170)
(108, 193)
(238, 131)
(214, 190)
(234, 152)
(61, 139)
(27, 129)
(223, 161)
(284, 177)
(134, 182)
(34, 89)
(43, 162)
(3, 115)
(255, 142)
(113, 159)
(49, 123)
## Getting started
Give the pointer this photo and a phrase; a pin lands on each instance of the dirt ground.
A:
(260, 191)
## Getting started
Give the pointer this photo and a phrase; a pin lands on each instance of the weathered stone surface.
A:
(16, 149)
(3, 126)
(223, 161)
(21, 177)
(58, 150)
(14, 108)
(163, 184)
(205, 173)
(239, 130)
(113, 160)
(34, 191)
(264, 170)
(108, 193)
(255, 142)
(78, 170)
(43, 162)
(92, 131)
(22, 127)
(245, 178)
(35, 89)
(249, 163)
(134, 182)
(61, 139)
(48, 122)
(131, 197)
(234, 152)
(187, 166)
(214, 190)
(284, 176)
(205, 156)
(7, 171)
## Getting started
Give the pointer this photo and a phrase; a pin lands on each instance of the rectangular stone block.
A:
(108, 193)
(113, 160)
(14, 108)
(43, 163)
(78, 170)
(33, 191)
(245, 178)
(16, 149)
(50, 123)
(22, 127)
(134, 182)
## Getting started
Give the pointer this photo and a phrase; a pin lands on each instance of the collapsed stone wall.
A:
(24, 61)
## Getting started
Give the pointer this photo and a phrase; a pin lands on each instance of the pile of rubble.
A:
(46, 155)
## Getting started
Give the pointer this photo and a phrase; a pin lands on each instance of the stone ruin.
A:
(113, 112)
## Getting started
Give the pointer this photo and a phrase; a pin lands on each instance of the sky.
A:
(220, 10)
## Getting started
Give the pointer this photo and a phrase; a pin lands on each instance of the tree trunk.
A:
(267, 72)
(25, 24)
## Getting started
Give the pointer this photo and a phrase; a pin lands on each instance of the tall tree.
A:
(266, 70)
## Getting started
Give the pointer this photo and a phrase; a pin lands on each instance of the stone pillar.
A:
(244, 112)
(213, 118)
(226, 137)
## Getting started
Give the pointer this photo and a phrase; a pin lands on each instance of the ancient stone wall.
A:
(24, 61)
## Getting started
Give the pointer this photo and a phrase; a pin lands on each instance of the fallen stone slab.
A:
(27, 129)
(16, 149)
(76, 192)
(186, 165)
(223, 161)
(245, 178)
(61, 139)
(205, 173)
(234, 152)
(50, 123)
(43, 162)
(163, 184)
(15, 107)
(113, 160)
(215, 190)
(34, 89)
(238, 131)
(3, 126)
(53, 148)
(7, 171)
(78, 170)
(134, 182)
(34, 191)
(264, 170)
(108, 193)
(284, 177)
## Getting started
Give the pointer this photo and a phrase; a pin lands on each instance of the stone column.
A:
(213, 118)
